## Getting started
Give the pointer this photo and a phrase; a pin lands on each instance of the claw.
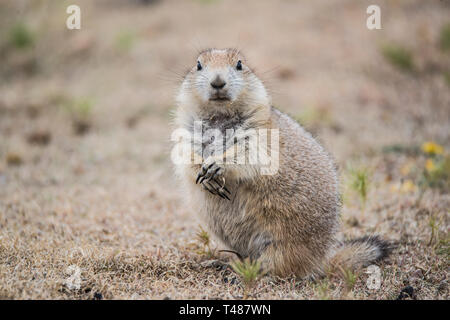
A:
(220, 190)
(203, 173)
(207, 188)
(215, 192)
(208, 176)
(223, 195)
(225, 188)
(222, 187)
(203, 178)
(198, 177)
(215, 172)
(208, 179)
(220, 195)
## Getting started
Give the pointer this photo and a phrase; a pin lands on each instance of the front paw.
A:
(212, 179)
(210, 170)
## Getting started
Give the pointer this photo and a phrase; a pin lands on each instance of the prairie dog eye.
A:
(239, 65)
(199, 66)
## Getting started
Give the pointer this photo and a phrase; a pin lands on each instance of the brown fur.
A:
(288, 220)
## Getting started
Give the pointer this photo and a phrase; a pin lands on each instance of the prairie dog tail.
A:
(360, 252)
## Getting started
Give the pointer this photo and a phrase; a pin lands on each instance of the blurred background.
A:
(85, 122)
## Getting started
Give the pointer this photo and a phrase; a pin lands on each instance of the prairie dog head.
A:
(221, 79)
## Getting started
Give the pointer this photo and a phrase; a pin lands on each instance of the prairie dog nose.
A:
(218, 83)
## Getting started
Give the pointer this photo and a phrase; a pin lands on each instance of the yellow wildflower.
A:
(395, 188)
(408, 186)
(432, 148)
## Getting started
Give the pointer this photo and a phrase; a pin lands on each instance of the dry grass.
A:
(85, 175)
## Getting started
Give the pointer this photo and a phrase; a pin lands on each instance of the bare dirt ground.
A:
(86, 181)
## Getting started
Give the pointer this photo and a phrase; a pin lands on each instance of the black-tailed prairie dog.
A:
(263, 185)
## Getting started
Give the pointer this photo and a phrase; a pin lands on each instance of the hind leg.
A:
(286, 260)
(270, 254)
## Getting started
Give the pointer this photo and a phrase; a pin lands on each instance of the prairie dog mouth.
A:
(219, 99)
(217, 96)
